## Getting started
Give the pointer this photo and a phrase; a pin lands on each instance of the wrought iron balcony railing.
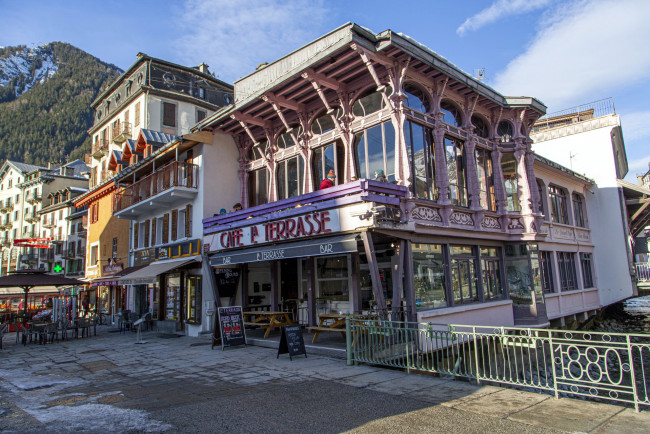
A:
(121, 132)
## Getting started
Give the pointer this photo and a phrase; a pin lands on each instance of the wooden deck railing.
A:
(174, 174)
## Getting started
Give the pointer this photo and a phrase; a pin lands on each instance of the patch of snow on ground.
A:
(17, 64)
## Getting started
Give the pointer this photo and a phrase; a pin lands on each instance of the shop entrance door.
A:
(289, 286)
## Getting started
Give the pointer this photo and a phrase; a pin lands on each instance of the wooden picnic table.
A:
(267, 320)
(333, 322)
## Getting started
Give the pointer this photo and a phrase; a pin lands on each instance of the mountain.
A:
(45, 96)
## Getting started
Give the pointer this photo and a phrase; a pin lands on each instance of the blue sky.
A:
(563, 52)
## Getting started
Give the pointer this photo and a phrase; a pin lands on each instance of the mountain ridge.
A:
(45, 96)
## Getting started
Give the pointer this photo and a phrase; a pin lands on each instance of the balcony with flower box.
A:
(29, 258)
(6, 224)
(33, 198)
(121, 132)
(100, 148)
(69, 253)
(31, 217)
(46, 255)
(169, 186)
(6, 205)
(49, 223)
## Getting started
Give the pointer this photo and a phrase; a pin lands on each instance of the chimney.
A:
(203, 68)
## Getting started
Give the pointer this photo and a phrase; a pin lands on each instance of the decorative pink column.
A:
(473, 186)
(499, 185)
(522, 182)
(440, 160)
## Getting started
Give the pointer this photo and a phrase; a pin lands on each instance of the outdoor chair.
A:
(133, 317)
(124, 320)
(48, 333)
(64, 326)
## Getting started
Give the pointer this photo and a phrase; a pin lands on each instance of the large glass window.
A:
(416, 98)
(173, 297)
(419, 145)
(332, 278)
(290, 175)
(567, 266)
(325, 122)
(587, 273)
(504, 131)
(258, 187)
(451, 114)
(546, 270)
(518, 274)
(491, 273)
(557, 197)
(456, 171)
(375, 149)
(326, 158)
(429, 276)
(578, 210)
(289, 138)
(372, 102)
(509, 170)
(485, 178)
(464, 279)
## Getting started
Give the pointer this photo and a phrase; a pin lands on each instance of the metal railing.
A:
(642, 271)
(602, 366)
(574, 115)
(174, 174)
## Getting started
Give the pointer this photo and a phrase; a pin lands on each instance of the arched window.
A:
(416, 98)
(375, 150)
(451, 114)
(481, 127)
(509, 170)
(258, 182)
(505, 131)
(286, 140)
(326, 158)
(542, 198)
(257, 151)
(290, 176)
(324, 122)
(371, 102)
(456, 171)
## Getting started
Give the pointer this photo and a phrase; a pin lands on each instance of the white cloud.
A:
(638, 166)
(583, 52)
(636, 125)
(499, 9)
(234, 37)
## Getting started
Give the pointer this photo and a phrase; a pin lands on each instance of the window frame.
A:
(559, 208)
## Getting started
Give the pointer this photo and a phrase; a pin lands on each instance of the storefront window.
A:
(509, 169)
(290, 177)
(419, 145)
(429, 276)
(193, 299)
(416, 98)
(491, 273)
(546, 270)
(173, 297)
(332, 278)
(464, 280)
(518, 274)
(370, 103)
(375, 149)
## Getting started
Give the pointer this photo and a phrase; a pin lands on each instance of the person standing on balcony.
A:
(329, 181)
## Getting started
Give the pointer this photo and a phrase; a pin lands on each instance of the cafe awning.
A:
(149, 273)
(297, 249)
(39, 290)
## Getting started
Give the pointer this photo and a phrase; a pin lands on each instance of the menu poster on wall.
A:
(229, 329)
(227, 280)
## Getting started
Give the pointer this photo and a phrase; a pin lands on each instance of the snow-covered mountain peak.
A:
(22, 67)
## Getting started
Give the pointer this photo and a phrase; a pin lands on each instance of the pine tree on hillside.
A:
(49, 122)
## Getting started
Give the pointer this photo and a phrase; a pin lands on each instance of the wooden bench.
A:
(319, 329)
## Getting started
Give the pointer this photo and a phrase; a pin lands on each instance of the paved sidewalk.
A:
(108, 383)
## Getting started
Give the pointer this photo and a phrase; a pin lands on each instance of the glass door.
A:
(173, 297)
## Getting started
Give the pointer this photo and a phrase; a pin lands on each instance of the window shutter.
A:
(174, 224)
(165, 229)
(153, 232)
(169, 114)
(146, 233)
(136, 228)
(137, 115)
(188, 220)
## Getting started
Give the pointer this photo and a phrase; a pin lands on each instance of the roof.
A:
(24, 167)
(31, 278)
(154, 137)
(561, 168)
(144, 58)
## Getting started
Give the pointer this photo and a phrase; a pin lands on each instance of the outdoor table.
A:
(34, 328)
(333, 322)
(267, 320)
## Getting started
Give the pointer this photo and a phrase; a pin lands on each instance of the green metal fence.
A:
(607, 366)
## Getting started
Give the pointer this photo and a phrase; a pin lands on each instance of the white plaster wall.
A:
(185, 114)
(220, 178)
(592, 154)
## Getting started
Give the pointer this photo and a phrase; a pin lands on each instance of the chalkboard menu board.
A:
(292, 342)
(229, 329)
(227, 280)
